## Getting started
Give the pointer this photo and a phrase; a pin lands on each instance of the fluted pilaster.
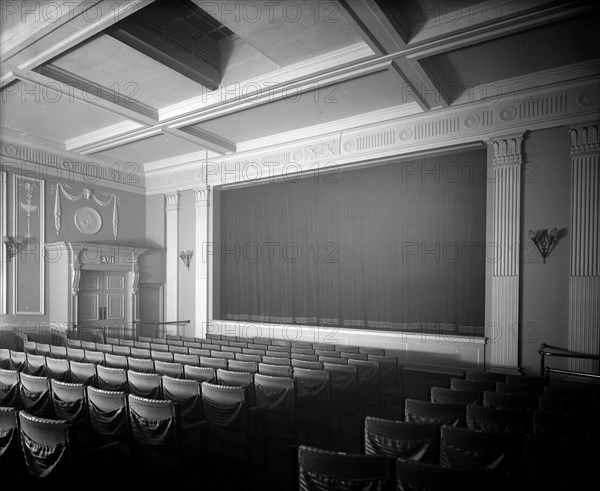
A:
(504, 170)
(204, 252)
(172, 246)
(584, 277)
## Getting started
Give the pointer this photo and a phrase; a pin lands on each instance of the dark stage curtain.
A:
(397, 246)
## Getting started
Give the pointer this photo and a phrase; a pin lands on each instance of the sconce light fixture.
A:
(186, 257)
(544, 240)
(12, 244)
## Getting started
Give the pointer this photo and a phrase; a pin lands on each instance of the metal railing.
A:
(160, 327)
(554, 351)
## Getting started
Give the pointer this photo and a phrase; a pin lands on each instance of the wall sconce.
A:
(13, 244)
(186, 257)
(544, 240)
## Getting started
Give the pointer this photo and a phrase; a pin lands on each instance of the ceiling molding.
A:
(73, 144)
(315, 131)
(553, 106)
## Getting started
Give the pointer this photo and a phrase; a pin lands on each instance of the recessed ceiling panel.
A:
(151, 149)
(286, 32)
(551, 46)
(43, 111)
(127, 72)
(354, 97)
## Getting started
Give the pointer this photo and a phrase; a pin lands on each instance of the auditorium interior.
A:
(304, 245)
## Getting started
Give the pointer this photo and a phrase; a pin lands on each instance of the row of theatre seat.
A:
(553, 427)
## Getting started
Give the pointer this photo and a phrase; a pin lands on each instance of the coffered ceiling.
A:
(160, 83)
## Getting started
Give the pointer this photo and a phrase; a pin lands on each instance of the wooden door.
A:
(102, 300)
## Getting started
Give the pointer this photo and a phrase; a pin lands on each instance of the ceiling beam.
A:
(384, 36)
(205, 139)
(84, 21)
(245, 101)
(81, 94)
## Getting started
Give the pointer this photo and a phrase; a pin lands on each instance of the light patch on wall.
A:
(28, 263)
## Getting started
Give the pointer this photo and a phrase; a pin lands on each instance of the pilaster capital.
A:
(584, 139)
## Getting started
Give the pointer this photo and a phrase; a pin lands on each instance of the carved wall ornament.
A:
(472, 120)
(349, 145)
(88, 220)
(588, 98)
(405, 134)
(507, 113)
(88, 194)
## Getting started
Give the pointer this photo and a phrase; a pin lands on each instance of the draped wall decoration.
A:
(88, 194)
(382, 248)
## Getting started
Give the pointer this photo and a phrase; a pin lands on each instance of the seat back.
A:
(484, 377)
(35, 395)
(161, 355)
(108, 378)
(58, 351)
(510, 401)
(70, 402)
(275, 370)
(312, 365)
(155, 433)
(75, 354)
(243, 366)
(122, 350)
(450, 396)
(238, 379)
(519, 389)
(115, 361)
(187, 393)
(484, 418)
(94, 357)
(276, 360)
(413, 475)
(247, 357)
(144, 365)
(224, 406)
(416, 411)
(206, 361)
(394, 439)
(471, 386)
(147, 385)
(82, 373)
(167, 368)
(202, 374)
(108, 414)
(141, 352)
(10, 388)
(184, 359)
(462, 448)
(45, 444)
(328, 470)
(35, 364)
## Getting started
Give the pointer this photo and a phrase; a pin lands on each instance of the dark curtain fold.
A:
(379, 248)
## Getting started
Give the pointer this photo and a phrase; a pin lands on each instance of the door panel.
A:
(116, 306)
(88, 307)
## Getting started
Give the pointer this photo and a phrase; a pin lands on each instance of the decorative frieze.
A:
(48, 165)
